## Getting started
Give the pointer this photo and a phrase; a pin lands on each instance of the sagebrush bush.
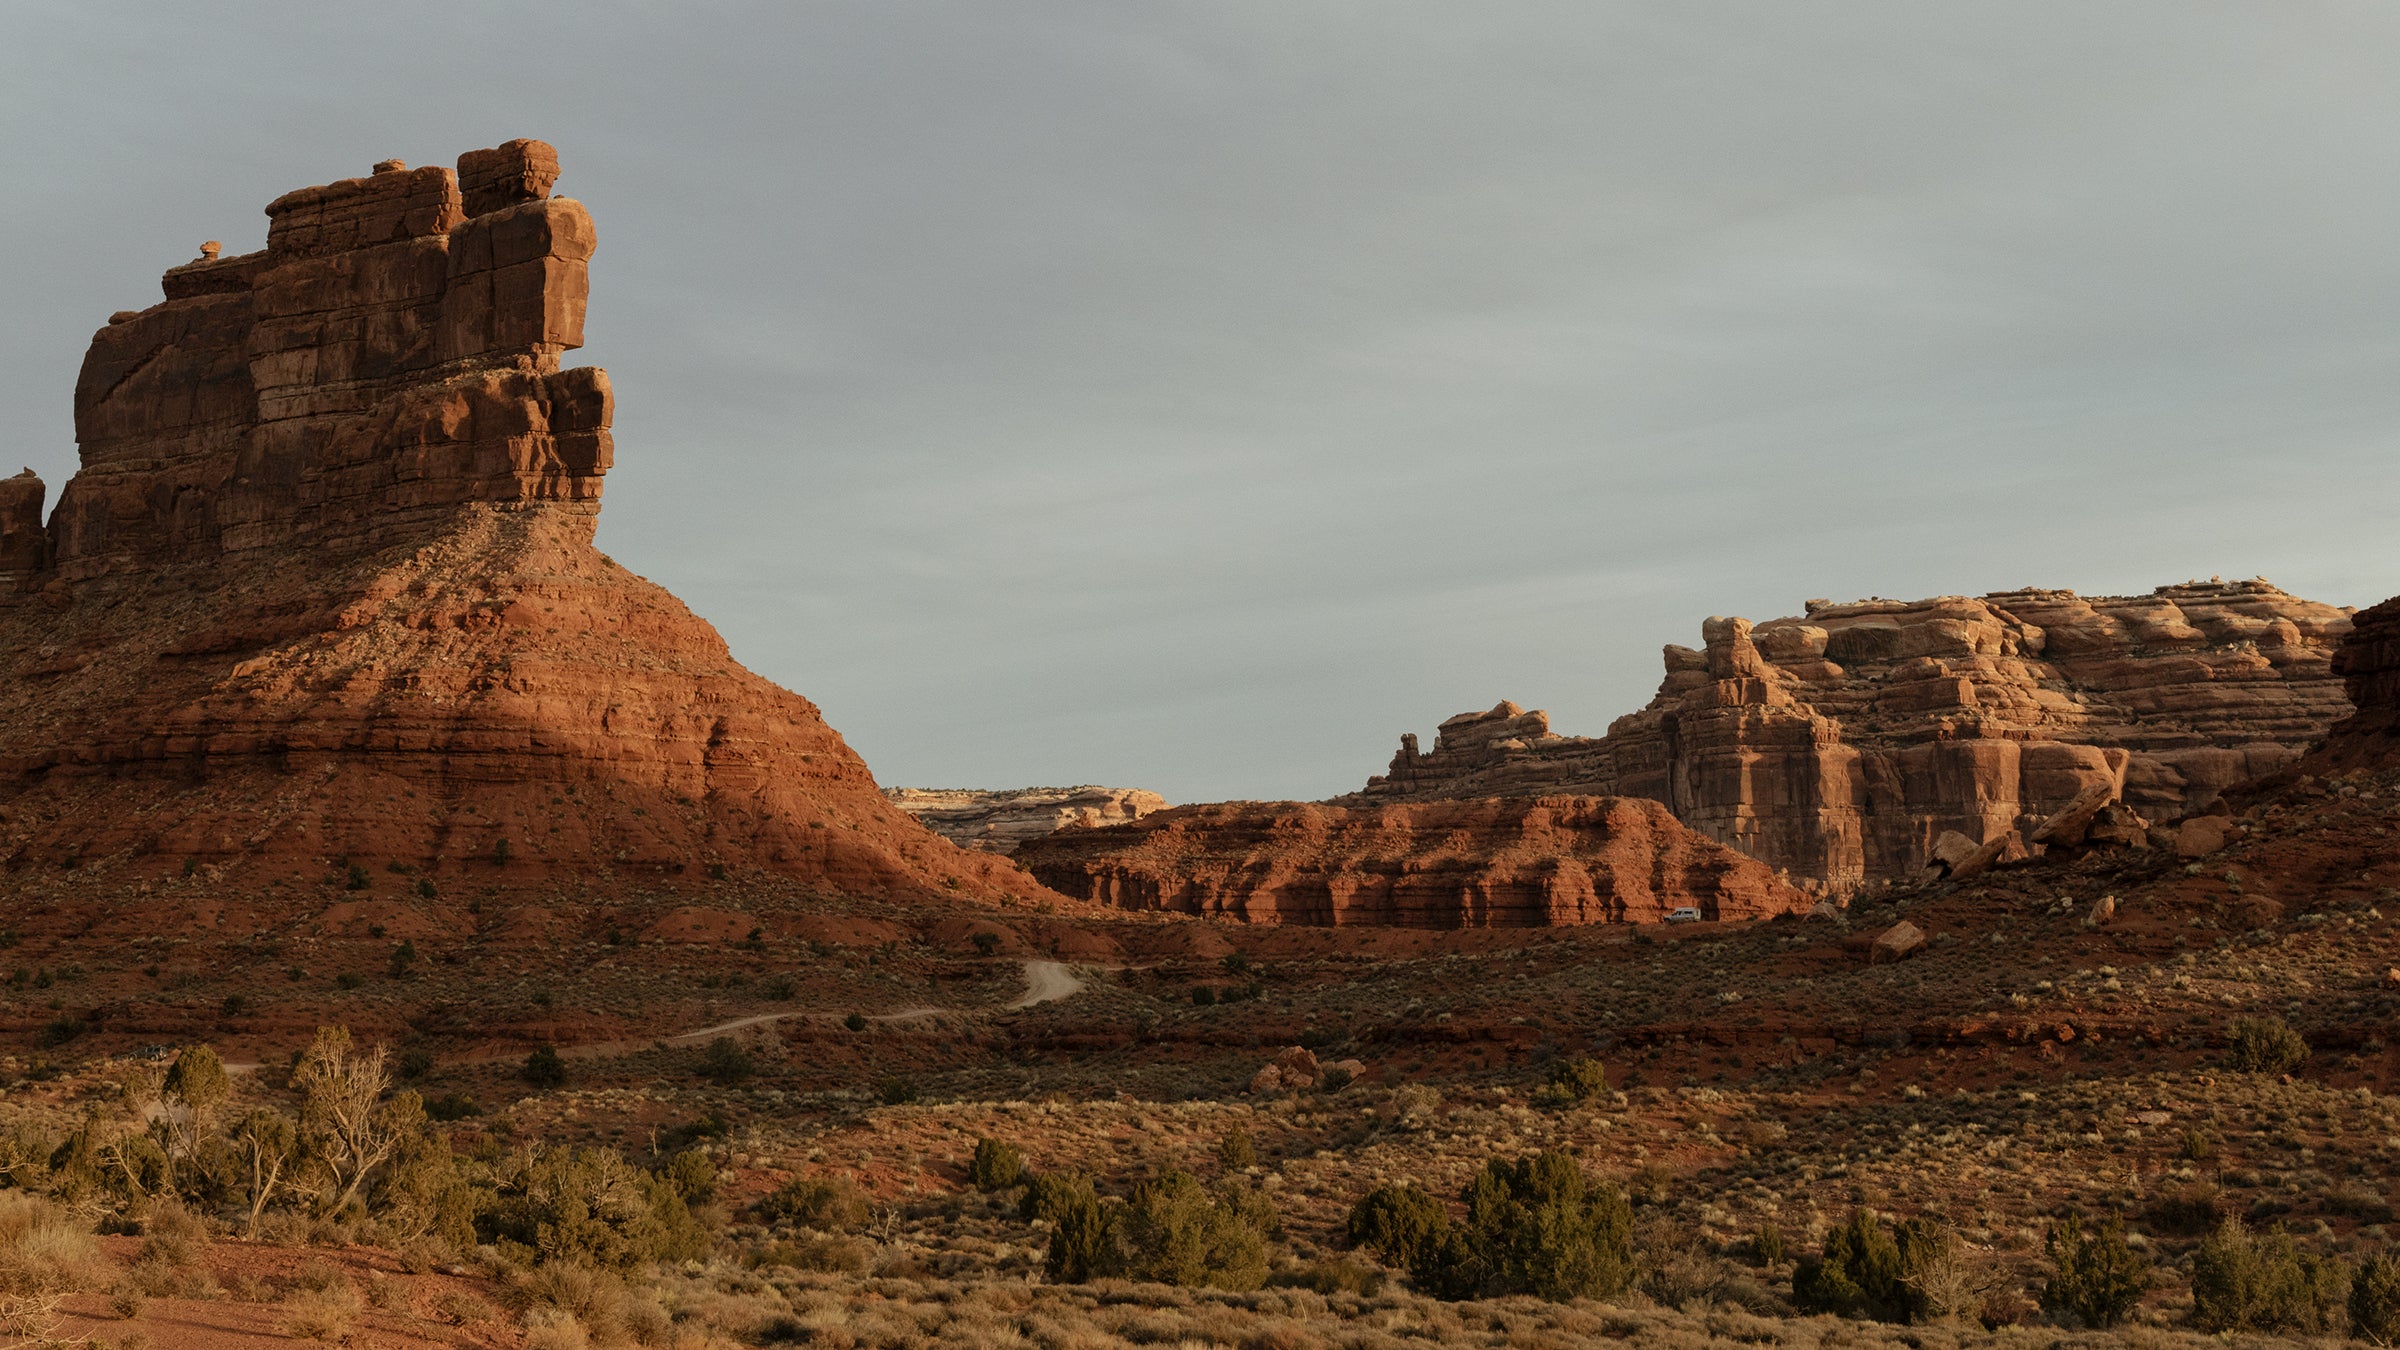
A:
(1904, 1273)
(2095, 1275)
(2265, 1045)
(1236, 1151)
(2244, 1281)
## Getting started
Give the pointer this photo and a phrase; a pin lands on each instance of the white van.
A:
(1685, 914)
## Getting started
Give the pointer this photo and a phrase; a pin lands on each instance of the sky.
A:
(1196, 396)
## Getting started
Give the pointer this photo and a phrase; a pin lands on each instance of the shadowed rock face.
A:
(1452, 864)
(1841, 744)
(2369, 666)
(324, 595)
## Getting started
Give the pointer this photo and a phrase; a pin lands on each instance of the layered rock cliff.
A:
(1841, 744)
(322, 602)
(997, 822)
(1451, 864)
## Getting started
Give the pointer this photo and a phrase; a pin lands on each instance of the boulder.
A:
(2103, 910)
(2200, 836)
(2068, 825)
(1897, 943)
(1295, 1070)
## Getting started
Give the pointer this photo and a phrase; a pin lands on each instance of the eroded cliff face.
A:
(2369, 666)
(998, 821)
(1841, 744)
(1447, 864)
(323, 595)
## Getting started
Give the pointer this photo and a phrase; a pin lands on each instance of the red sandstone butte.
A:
(2369, 666)
(1458, 864)
(1844, 743)
(323, 595)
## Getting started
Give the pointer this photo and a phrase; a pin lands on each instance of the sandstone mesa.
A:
(998, 821)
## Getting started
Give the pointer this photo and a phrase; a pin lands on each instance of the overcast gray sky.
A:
(1197, 396)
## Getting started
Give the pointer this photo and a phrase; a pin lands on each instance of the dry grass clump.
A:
(328, 1313)
(44, 1256)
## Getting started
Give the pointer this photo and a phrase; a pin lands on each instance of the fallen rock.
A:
(1295, 1070)
(2102, 911)
(2068, 825)
(2009, 847)
(2200, 836)
(1952, 849)
(1897, 943)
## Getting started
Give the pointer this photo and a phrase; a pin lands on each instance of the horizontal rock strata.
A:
(1450, 864)
(322, 606)
(997, 822)
(1843, 743)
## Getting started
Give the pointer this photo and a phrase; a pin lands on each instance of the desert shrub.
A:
(897, 1092)
(1860, 1272)
(1177, 1231)
(58, 1031)
(986, 942)
(2375, 1300)
(1083, 1233)
(544, 1069)
(2244, 1281)
(44, 1256)
(726, 1063)
(1344, 1276)
(327, 1315)
(996, 1166)
(414, 1063)
(2188, 1210)
(827, 1205)
(1399, 1224)
(2095, 1275)
(1650, 1184)
(1047, 1195)
(1204, 995)
(1237, 1151)
(588, 1206)
(452, 1106)
(1767, 1245)
(2265, 1045)
(820, 1253)
(1572, 1082)
(855, 1022)
(2197, 1146)
(1536, 1226)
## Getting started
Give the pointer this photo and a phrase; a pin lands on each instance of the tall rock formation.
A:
(1843, 743)
(997, 822)
(1452, 864)
(322, 601)
(2369, 666)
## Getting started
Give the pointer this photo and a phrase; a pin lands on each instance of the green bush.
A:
(1572, 1082)
(1236, 1151)
(1047, 1195)
(1536, 1226)
(1083, 1233)
(1767, 1245)
(1400, 1224)
(543, 1068)
(2095, 1275)
(1177, 1231)
(2244, 1281)
(829, 1206)
(453, 1106)
(855, 1022)
(726, 1063)
(2265, 1045)
(1857, 1272)
(588, 1206)
(2375, 1300)
(996, 1166)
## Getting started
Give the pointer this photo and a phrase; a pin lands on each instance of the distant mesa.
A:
(321, 605)
(2369, 666)
(1488, 863)
(1843, 744)
(998, 821)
